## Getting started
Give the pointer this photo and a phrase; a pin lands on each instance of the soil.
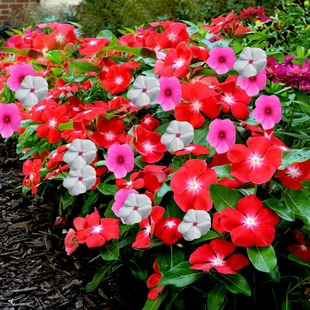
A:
(35, 271)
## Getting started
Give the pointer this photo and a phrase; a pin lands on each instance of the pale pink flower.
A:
(120, 198)
(253, 84)
(70, 244)
(268, 111)
(17, 74)
(170, 92)
(222, 135)
(221, 59)
(120, 159)
(9, 119)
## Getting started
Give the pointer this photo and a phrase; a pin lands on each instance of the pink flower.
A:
(17, 74)
(9, 119)
(221, 135)
(120, 198)
(221, 59)
(120, 159)
(70, 244)
(170, 92)
(253, 84)
(268, 111)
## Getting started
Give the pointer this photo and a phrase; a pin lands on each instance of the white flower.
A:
(80, 180)
(144, 90)
(32, 90)
(135, 208)
(177, 136)
(195, 224)
(80, 153)
(251, 61)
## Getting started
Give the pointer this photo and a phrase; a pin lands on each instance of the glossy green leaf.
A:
(237, 284)
(91, 199)
(223, 171)
(263, 258)
(155, 304)
(281, 209)
(107, 189)
(83, 67)
(110, 252)
(298, 260)
(169, 258)
(298, 202)
(216, 297)
(208, 236)
(294, 156)
(275, 275)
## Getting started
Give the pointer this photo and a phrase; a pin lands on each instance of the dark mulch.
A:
(35, 271)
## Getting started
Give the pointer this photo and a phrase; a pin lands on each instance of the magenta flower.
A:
(9, 119)
(222, 135)
(170, 92)
(17, 74)
(268, 111)
(221, 59)
(120, 198)
(253, 84)
(120, 159)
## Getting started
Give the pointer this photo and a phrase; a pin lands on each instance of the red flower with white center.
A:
(234, 98)
(167, 230)
(62, 36)
(256, 163)
(75, 107)
(213, 256)
(63, 88)
(31, 170)
(148, 144)
(78, 132)
(132, 183)
(294, 174)
(91, 111)
(90, 46)
(190, 185)
(56, 157)
(52, 118)
(201, 98)
(97, 231)
(152, 281)
(149, 122)
(105, 65)
(300, 250)
(129, 39)
(156, 40)
(143, 240)
(109, 131)
(250, 224)
(196, 149)
(176, 33)
(176, 62)
(38, 109)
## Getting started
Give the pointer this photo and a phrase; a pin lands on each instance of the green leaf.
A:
(54, 56)
(165, 188)
(294, 156)
(110, 252)
(223, 197)
(274, 274)
(298, 202)
(91, 199)
(155, 304)
(27, 52)
(25, 190)
(106, 34)
(139, 163)
(67, 201)
(216, 297)
(223, 171)
(107, 189)
(281, 209)
(65, 126)
(237, 284)
(100, 163)
(208, 236)
(169, 258)
(83, 67)
(180, 275)
(138, 271)
(298, 260)
(263, 258)
(201, 135)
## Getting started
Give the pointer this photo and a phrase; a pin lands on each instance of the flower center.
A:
(135, 208)
(168, 92)
(252, 78)
(222, 134)
(180, 63)
(251, 61)
(268, 111)
(119, 80)
(80, 153)
(256, 160)
(222, 59)
(7, 119)
(21, 78)
(178, 135)
(52, 123)
(144, 90)
(97, 229)
(170, 224)
(80, 179)
(32, 90)
(250, 221)
(217, 261)
(120, 159)
(93, 42)
(195, 224)
(293, 171)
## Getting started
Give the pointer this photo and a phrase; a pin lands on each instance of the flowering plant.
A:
(165, 156)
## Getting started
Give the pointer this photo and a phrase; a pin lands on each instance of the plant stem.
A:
(298, 284)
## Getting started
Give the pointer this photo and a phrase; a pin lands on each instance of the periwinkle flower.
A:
(135, 208)
(80, 153)
(80, 180)
(195, 224)
(145, 89)
(32, 90)
(177, 136)
(251, 61)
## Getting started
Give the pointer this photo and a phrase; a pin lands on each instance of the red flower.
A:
(31, 170)
(167, 230)
(152, 281)
(250, 224)
(149, 122)
(90, 46)
(176, 33)
(256, 163)
(201, 99)
(212, 256)
(96, 231)
(190, 185)
(196, 149)
(300, 250)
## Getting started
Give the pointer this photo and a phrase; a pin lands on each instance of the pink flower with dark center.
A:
(221, 59)
(9, 119)
(221, 135)
(170, 92)
(268, 111)
(253, 84)
(17, 74)
(120, 159)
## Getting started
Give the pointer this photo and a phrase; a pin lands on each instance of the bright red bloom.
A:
(96, 231)
(132, 183)
(167, 230)
(255, 12)
(148, 144)
(250, 224)
(154, 177)
(201, 99)
(90, 46)
(176, 33)
(149, 122)
(31, 170)
(156, 40)
(196, 149)
(216, 222)
(256, 163)
(190, 185)
(212, 256)
(300, 250)
(109, 131)
(52, 118)
(152, 281)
